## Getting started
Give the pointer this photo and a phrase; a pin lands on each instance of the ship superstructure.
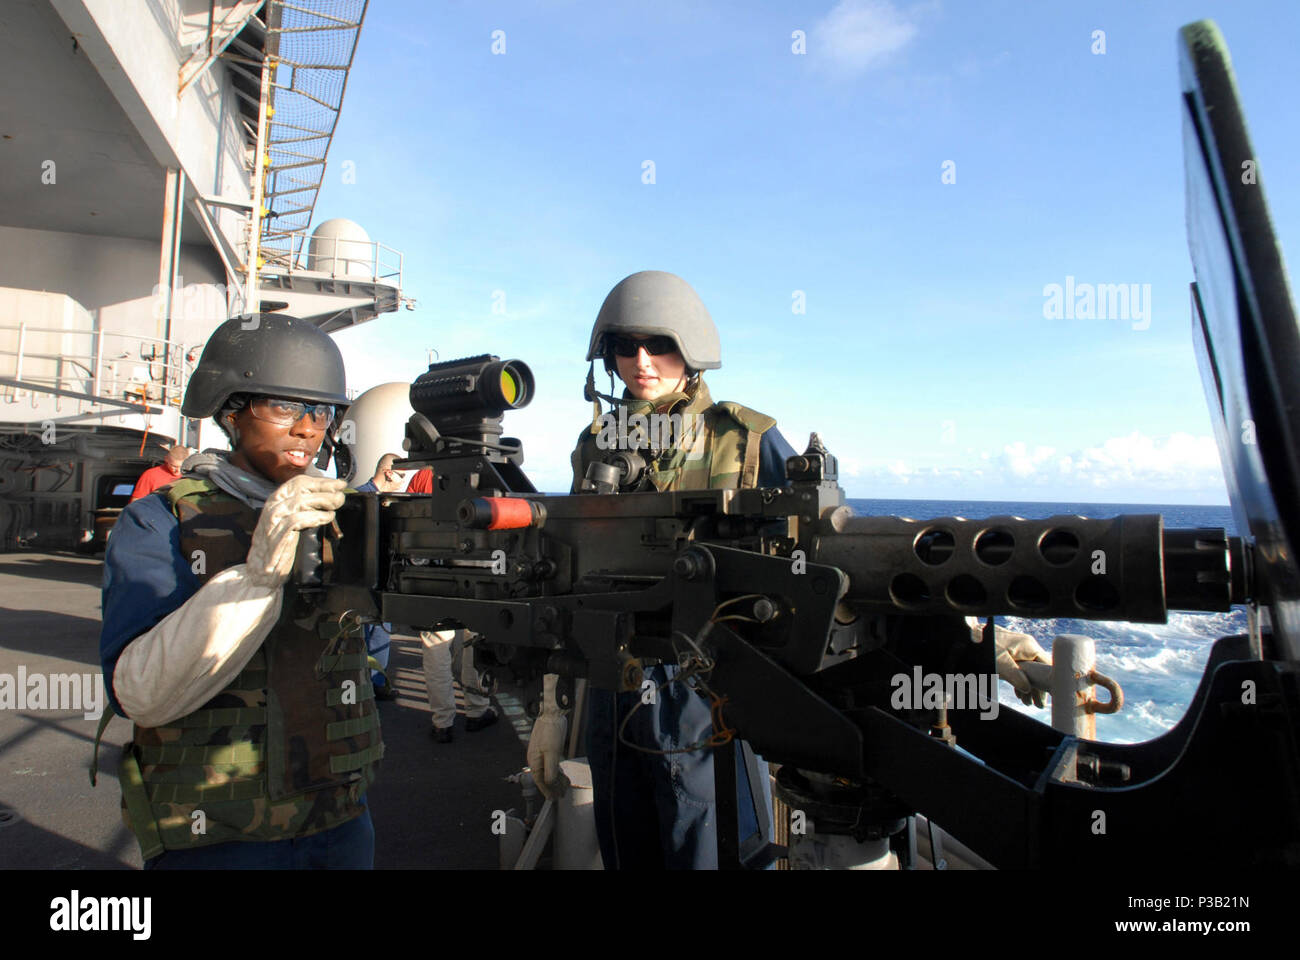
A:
(161, 163)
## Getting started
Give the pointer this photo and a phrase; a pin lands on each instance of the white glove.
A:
(546, 744)
(1011, 649)
(194, 652)
(298, 504)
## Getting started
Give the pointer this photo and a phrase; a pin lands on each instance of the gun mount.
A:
(799, 613)
(806, 613)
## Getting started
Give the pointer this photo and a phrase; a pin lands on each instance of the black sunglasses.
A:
(655, 346)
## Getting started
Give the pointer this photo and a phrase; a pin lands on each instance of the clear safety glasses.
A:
(284, 412)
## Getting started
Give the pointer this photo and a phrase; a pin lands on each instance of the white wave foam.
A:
(1162, 661)
(1181, 628)
(1158, 665)
(1139, 721)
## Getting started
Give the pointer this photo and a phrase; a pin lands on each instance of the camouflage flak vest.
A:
(718, 450)
(288, 749)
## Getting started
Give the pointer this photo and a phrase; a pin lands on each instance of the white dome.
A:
(342, 248)
(374, 425)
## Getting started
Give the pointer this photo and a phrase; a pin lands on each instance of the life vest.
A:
(715, 446)
(287, 749)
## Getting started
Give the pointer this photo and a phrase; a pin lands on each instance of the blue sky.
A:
(925, 356)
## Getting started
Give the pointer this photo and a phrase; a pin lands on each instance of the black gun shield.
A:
(1244, 326)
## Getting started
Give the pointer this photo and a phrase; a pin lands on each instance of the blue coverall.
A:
(379, 636)
(145, 578)
(661, 809)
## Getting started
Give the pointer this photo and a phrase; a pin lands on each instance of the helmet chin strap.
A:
(233, 431)
(590, 392)
(328, 448)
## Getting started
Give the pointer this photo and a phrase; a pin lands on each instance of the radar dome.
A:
(375, 424)
(341, 248)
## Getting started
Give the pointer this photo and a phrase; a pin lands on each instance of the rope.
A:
(695, 667)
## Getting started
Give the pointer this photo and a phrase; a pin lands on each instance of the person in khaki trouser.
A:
(444, 653)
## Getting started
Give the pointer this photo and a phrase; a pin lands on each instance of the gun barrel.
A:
(1122, 568)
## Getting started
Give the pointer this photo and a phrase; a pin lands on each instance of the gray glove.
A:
(1014, 649)
(298, 504)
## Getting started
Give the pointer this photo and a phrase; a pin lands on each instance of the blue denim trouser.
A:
(658, 812)
(379, 642)
(349, 846)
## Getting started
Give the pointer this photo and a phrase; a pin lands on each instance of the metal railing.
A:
(339, 257)
(117, 370)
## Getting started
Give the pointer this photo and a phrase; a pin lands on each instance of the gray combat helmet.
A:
(279, 356)
(654, 303)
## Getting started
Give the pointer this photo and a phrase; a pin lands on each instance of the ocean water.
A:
(1158, 666)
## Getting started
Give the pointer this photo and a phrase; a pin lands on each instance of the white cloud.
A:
(1018, 461)
(857, 35)
(850, 466)
(1178, 463)
(1178, 460)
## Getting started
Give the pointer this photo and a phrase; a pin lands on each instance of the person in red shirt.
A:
(166, 472)
(422, 482)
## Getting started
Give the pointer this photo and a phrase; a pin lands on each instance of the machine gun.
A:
(795, 616)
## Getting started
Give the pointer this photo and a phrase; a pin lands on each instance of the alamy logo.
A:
(658, 431)
(75, 912)
(1099, 301)
(957, 691)
(55, 691)
(197, 302)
